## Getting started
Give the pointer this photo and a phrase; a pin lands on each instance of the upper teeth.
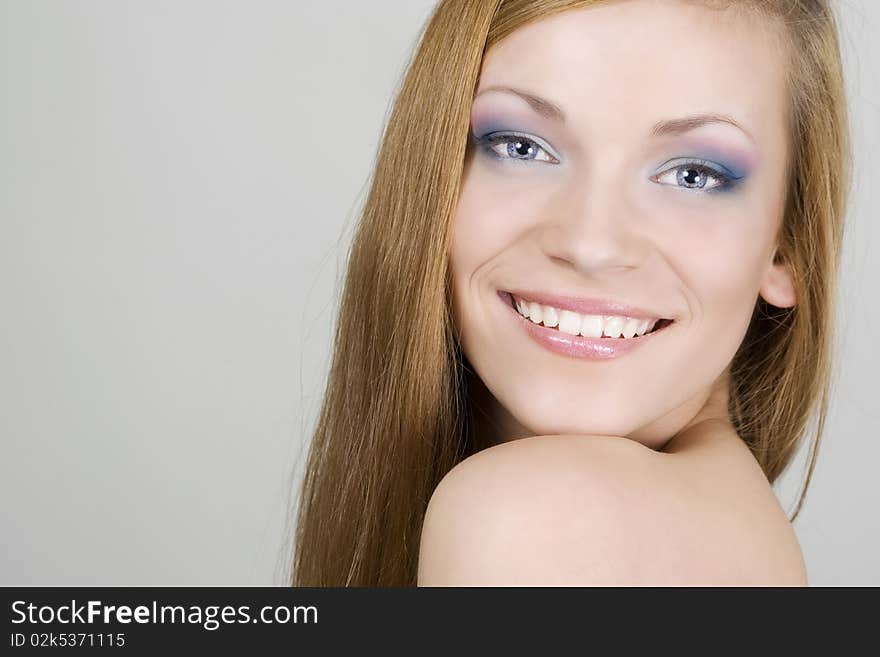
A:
(590, 326)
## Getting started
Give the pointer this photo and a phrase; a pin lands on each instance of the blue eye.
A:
(696, 174)
(515, 146)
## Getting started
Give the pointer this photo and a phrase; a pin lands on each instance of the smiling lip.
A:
(578, 346)
(585, 306)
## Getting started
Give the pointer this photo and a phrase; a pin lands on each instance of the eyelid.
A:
(680, 161)
(498, 134)
(727, 180)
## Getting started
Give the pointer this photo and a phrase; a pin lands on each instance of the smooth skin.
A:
(626, 471)
(579, 510)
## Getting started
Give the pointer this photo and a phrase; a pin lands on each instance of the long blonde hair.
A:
(397, 411)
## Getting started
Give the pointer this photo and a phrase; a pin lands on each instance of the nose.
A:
(593, 227)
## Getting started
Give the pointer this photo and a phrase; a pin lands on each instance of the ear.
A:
(777, 285)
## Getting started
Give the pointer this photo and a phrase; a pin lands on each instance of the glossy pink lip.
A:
(586, 306)
(577, 346)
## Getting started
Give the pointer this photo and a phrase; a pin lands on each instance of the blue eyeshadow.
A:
(730, 166)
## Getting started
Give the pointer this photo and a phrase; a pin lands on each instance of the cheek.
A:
(720, 259)
(488, 220)
(486, 224)
(475, 236)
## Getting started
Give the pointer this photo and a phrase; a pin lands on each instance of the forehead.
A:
(624, 64)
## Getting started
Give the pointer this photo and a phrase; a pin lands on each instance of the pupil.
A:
(522, 148)
(691, 176)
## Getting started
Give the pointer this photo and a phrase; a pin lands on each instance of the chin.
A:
(591, 425)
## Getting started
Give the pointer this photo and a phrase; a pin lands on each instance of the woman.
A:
(587, 313)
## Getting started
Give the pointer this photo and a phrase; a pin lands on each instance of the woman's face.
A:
(610, 189)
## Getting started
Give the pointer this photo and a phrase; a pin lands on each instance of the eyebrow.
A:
(662, 128)
(688, 123)
(542, 106)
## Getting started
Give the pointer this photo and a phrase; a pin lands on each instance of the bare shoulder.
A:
(599, 510)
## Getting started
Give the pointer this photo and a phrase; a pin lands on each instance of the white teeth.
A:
(569, 322)
(590, 326)
(536, 313)
(613, 326)
(629, 329)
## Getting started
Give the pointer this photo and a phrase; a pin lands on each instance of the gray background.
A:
(178, 184)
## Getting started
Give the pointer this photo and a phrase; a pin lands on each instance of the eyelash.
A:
(725, 181)
(703, 167)
(492, 139)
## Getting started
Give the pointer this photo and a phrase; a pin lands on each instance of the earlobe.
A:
(777, 286)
